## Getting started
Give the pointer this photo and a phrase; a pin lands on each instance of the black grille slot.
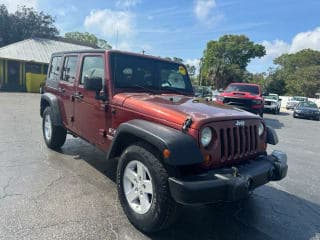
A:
(222, 143)
(235, 139)
(230, 144)
(255, 137)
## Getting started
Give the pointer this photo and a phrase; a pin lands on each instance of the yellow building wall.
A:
(33, 81)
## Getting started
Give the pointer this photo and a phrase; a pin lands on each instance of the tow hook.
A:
(235, 172)
(187, 123)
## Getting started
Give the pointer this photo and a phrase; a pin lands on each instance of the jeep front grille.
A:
(235, 143)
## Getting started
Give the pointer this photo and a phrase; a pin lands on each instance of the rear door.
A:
(66, 89)
(92, 117)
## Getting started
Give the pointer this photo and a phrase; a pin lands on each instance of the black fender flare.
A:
(51, 100)
(272, 137)
(184, 150)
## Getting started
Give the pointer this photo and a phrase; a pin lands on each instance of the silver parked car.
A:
(293, 102)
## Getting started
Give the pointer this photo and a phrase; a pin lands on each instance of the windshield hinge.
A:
(187, 123)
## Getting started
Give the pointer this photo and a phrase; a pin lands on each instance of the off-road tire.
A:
(164, 210)
(58, 133)
(294, 115)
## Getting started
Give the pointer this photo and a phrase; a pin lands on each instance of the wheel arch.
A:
(183, 148)
(48, 99)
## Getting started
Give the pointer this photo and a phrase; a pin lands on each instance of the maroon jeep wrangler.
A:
(172, 148)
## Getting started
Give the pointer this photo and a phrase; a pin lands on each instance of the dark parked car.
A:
(307, 110)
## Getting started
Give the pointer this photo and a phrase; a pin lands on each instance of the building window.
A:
(33, 68)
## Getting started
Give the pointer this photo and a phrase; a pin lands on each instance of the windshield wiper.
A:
(172, 90)
(146, 88)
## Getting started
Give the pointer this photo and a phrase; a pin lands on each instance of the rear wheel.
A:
(54, 136)
(143, 189)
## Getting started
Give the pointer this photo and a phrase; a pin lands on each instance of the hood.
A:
(177, 108)
(308, 109)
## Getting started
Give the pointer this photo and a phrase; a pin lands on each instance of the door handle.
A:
(78, 95)
(61, 90)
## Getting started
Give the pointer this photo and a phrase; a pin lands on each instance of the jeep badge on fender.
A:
(171, 149)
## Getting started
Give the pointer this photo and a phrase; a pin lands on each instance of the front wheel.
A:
(54, 136)
(143, 189)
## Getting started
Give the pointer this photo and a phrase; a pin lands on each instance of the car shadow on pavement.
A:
(82, 150)
(268, 214)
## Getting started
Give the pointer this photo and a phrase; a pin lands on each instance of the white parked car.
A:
(272, 103)
(293, 102)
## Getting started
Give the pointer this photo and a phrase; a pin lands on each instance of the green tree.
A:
(88, 38)
(297, 74)
(225, 60)
(25, 23)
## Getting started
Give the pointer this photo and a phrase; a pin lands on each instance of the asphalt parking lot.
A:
(72, 195)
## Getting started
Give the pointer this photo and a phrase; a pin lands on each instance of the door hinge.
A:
(72, 118)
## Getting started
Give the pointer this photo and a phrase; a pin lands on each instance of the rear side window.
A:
(69, 69)
(92, 67)
(54, 69)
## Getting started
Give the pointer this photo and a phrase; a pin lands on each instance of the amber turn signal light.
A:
(207, 159)
(166, 153)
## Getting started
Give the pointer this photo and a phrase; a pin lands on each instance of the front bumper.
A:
(229, 184)
(270, 107)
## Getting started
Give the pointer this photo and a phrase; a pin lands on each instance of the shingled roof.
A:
(37, 49)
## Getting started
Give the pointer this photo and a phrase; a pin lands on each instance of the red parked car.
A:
(171, 147)
(243, 95)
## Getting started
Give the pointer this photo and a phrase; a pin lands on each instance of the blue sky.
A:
(182, 28)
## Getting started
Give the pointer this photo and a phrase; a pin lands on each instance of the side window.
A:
(54, 69)
(92, 67)
(69, 69)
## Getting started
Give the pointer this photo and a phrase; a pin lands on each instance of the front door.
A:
(66, 89)
(13, 76)
(92, 117)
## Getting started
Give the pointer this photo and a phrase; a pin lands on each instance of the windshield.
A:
(145, 74)
(243, 88)
(300, 99)
(308, 104)
(273, 97)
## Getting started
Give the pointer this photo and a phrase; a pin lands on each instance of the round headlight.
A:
(260, 128)
(206, 136)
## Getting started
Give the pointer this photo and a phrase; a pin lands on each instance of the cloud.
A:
(205, 11)
(127, 3)
(13, 4)
(275, 48)
(109, 23)
(203, 7)
(303, 40)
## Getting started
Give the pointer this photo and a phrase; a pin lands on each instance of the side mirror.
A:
(93, 84)
(280, 99)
